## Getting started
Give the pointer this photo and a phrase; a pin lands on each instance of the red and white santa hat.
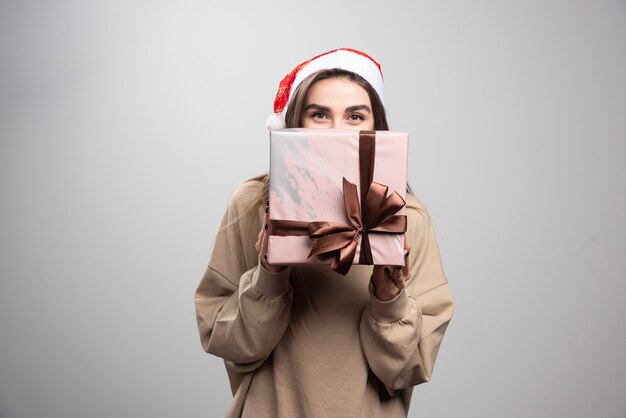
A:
(345, 58)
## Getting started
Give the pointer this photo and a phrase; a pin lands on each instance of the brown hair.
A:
(293, 116)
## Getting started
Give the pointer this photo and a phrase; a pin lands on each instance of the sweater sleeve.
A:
(241, 308)
(401, 337)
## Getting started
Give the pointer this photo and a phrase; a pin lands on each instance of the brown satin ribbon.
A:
(373, 213)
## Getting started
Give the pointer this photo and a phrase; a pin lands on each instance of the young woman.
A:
(303, 341)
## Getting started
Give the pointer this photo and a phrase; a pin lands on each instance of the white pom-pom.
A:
(275, 121)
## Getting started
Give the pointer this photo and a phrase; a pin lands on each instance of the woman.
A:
(303, 341)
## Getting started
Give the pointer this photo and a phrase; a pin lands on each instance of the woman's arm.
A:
(242, 309)
(401, 336)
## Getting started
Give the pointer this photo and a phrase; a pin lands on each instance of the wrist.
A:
(271, 283)
(391, 310)
(271, 267)
(386, 294)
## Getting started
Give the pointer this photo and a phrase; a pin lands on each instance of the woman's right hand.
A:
(261, 246)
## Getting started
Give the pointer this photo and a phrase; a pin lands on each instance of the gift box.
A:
(337, 197)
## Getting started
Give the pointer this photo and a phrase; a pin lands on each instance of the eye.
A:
(318, 115)
(356, 117)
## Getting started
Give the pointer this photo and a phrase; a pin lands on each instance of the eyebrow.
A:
(348, 109)
(359, 107)
(317, 107)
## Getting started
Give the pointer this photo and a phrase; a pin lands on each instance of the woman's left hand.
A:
(388, 281)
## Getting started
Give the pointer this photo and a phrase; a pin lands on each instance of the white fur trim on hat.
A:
(275, 122)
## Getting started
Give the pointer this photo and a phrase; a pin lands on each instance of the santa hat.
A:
(344, 58)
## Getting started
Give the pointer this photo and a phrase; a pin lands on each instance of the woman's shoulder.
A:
(417, 214)
(414, 204)
(248, 187)
(247, 193)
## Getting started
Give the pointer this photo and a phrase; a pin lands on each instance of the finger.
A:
(378, 273)
(396, 272)
(260, 245)
(407, 250)
(259, 242)
(390, 272)
(266, 220)
(397, 276)
(393, 274)
(266, 236)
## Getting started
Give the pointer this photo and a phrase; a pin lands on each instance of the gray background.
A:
(125, 125)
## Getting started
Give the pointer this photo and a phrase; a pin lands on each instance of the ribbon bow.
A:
(340, 240)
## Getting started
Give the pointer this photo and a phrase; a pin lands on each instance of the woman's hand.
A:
(261, 247)
(388, 281)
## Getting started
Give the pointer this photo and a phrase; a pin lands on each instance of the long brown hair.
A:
(293, 115)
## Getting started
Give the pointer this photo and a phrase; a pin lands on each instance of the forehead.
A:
(337, 89)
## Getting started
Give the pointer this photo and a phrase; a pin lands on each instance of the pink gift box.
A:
(308, 195)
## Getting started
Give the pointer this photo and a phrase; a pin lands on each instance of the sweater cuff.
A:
(392, 310)
(271, 284)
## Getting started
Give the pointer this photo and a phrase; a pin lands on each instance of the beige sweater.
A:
(307, 342)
